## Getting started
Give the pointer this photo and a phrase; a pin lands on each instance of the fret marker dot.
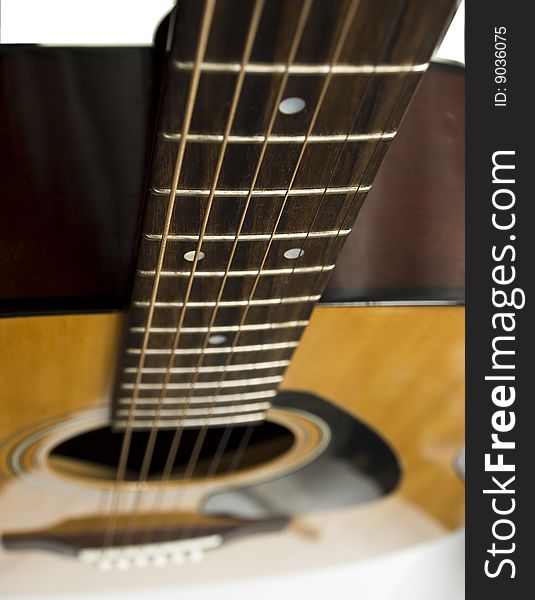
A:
(217, 339)
(191, 255)
(294, 253)
(291, 106)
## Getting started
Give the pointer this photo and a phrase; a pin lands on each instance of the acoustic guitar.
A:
(225, 423)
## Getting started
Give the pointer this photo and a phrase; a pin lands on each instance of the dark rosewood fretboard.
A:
(230, 308)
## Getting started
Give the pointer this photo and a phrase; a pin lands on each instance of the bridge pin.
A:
(160, 560)
(178, 558)
(196, 556)
(123, 564)
(104, 565)
(141, 560)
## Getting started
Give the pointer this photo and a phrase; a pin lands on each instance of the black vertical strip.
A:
(500, 277)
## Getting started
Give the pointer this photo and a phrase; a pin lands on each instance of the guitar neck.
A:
(274, 119)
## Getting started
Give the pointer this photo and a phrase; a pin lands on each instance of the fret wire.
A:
(180, 423)
(259, 272)
(218, 410)
(376, 69)
(206, 384)
(304, 69)
(373, 69)
(248, 273)
(224, 328)
(282, 139)
(340, 40)
(219, 350)
(220, 398)
(252, 237)
(186, 303)
(191, 276)
(183, 421)
(360, 189)
(202, 43)
(231, 303)
(273, 364)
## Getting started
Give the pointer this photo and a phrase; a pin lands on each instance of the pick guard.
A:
(356, 467)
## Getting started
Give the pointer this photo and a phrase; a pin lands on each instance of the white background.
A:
(119, 22)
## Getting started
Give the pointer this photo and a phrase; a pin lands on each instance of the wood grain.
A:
(401, 370)
(408, 240)
(53, 365)
(383, 33)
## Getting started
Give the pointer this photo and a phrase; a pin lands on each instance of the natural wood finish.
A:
(398, 369)
(402, 371)
(53, 365)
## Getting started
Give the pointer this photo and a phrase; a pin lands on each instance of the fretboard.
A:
(293, 106)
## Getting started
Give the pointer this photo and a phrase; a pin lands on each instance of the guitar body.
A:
(357, 455)
(398, 370)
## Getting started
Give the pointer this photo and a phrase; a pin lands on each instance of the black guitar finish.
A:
(356, 467)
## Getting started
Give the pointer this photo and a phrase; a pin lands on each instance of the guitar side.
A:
(400, 370)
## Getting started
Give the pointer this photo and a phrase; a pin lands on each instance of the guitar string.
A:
(206, 21)
(228, 430)
(240, 451)
(225, 437)
(305, 9)
(386, 127)
(149, 449)
(340, 36)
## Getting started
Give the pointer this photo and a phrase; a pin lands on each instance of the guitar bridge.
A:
(126, 541)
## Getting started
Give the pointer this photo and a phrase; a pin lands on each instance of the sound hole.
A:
(95, 453)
